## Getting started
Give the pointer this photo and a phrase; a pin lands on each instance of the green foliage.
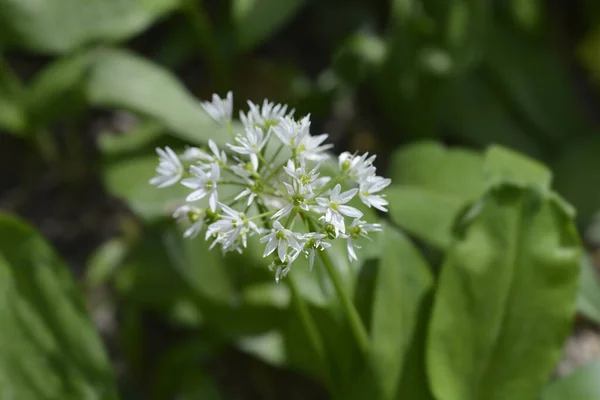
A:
(61, 26)
(256, 20)
(49, 348)
(467, 294)
(505, 297)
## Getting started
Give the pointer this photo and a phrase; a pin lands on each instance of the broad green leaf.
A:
(427, 164)
(431, 184)
(121, 79)
(128, 180)
(256, 20)
(583, 384)
(49, 348)
(588, 301)
(427, 214)
(505, 297)
(505, 165)
(403, 279)
(60, 26)
(575, 177)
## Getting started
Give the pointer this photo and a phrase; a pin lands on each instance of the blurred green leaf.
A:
(121, 79)
(474, 113)
(431, 184)
(13, 116)
(361, 54)
(535, 84)
(455, 171)
(49, 348)
(191, 381)
(505, 165)
(104, 261)
(119, 143)
(505, 298)
(128, 180)
(589, 54)
(588, 301)
(60, 26)
(583, 384)
(575, 176)
(256, 20)
(403, 279)
(57, 91)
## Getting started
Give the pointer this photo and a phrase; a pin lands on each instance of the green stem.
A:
(200, 22)
(310, 326)
(358, 329)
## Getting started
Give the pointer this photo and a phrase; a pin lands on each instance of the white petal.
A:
(347, 196)
(282, 249)
(196, 195)
(350, 211)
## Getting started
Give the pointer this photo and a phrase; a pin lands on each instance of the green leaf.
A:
(104, 261)
(403, 279)
(57, 91)
(427, 164)
(588, 301)
(256, 20)
(121, 79)
(505, 298)
(49, 348)
(61, 26)
(505, 165)
(583, 384)
(13, 116)
(431, 185)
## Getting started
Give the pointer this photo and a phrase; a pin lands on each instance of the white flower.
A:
(358, 228)
(266, 116)
(311, 149)
(357, 167)
(253, 143)
(192, 154)
(300, 175)
(314, 241)
(298, 196)
(371, 185)
(169, 168)
(230, 228)
(291, 132)
(204, 184)
(192, 216)
(219, 109)
(334, 207)
(280, 239)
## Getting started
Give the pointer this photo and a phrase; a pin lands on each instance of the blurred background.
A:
(89, 89)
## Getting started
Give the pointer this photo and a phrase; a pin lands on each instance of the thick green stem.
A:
(358, 329)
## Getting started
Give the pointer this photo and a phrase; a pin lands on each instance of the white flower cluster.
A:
(267, 182)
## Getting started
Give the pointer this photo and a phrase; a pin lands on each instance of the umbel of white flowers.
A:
(268, 182)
